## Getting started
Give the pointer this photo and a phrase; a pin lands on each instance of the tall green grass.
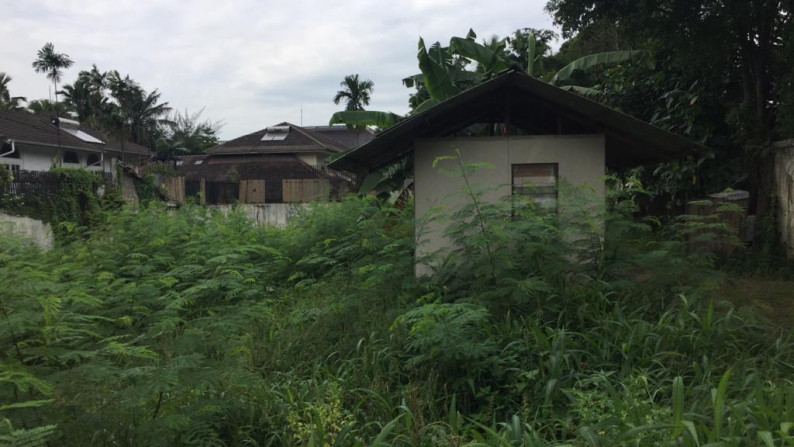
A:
(188, 327)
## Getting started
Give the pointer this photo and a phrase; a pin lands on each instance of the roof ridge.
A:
(318, 138)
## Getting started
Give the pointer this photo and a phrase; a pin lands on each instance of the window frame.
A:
(76, 154)
(526, 191)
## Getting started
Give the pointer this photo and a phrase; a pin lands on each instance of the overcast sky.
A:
(248, 63)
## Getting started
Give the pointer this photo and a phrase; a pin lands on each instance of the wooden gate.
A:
(174, 188)
(252, 191)
(305, 190)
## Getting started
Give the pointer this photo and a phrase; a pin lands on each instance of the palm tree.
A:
(87, 96)
(8, 102)
(51, 63)
(141, 112)
(355, 93)
(45, 105)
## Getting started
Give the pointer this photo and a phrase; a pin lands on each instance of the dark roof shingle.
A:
(39, 129)
(298, 140)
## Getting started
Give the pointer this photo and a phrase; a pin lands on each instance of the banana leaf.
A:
(609, 57)
(437, 80)
(366, 118)
(490, 60)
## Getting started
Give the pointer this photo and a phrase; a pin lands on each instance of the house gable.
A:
(523, 105)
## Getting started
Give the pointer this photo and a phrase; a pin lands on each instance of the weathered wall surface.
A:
(128, 192)
(274, 214)
(784, 188)
(580, 160)
(37, 231)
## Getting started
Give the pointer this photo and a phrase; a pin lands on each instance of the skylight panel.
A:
(82, 135)
(275, 133)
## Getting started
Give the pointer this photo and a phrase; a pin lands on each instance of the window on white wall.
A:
(14, 168)
(538, 182)
(93, 160)
(71, 157)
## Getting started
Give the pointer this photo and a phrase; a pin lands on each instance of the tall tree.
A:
(188, 132)
(87, 96)
(142, 113)
(356, 93)
(8, 102)
(45, 105)
(52, 64)
(736, 46)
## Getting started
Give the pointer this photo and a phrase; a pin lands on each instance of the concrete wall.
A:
(580, 160)
(36, 231)
(274, 214)
(784, 188)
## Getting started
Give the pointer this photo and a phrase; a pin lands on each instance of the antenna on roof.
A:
(301, 114)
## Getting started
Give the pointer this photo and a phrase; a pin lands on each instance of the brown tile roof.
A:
(350, 138)
(298, 140)
(248, 167)
(114, 144)
(38, 129)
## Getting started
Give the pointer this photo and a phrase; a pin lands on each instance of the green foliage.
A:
(188, 327)
(73, 205)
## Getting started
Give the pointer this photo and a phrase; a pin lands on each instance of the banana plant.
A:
(596, 59)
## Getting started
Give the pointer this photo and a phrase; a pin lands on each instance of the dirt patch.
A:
(773, 299)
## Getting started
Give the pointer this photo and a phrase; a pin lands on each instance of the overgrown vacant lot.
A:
(189, 328)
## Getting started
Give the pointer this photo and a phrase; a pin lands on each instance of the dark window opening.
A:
(222, 192)
(192, 188)
(71, 157)
(93, 160)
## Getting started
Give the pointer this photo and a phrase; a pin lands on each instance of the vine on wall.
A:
(73, 201)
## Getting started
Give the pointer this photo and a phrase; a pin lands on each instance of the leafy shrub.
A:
(187, 327)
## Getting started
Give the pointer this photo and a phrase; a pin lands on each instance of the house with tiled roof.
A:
(284, 163)
(37, 142)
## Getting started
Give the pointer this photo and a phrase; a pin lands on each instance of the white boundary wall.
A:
(36, 231)
(272, 214)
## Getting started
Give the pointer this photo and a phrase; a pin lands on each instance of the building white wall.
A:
(580, 160)
(42, 158)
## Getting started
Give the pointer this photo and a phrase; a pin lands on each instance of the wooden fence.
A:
(256, 191)
(174, 188)
(305, 190)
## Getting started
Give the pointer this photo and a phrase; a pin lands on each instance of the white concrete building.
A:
(31, 142)
(533, 136)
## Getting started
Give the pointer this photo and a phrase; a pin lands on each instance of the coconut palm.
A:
(45, 105)
(142, 113)
(52, 64)
(8, 102)
(87, 96)
(355, 92)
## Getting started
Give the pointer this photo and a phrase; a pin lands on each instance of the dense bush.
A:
(186, 327)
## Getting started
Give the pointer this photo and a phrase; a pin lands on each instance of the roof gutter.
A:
(13, 148)
(35, 143)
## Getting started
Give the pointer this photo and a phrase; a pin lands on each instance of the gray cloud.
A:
(249, 63)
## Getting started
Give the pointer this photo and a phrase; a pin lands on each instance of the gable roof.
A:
(245, 167)
(39, 129)
(298, 139)
(519, 99)
(350, 138)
